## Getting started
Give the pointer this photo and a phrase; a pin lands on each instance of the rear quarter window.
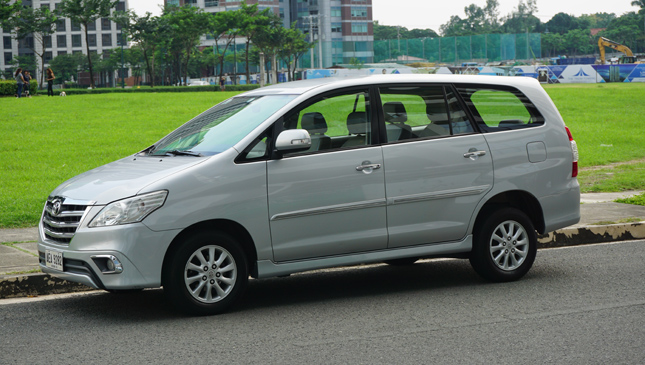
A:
(500, 108)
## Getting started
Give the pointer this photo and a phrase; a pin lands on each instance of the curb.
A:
(31, 285)
(585, 235)
(26, 285)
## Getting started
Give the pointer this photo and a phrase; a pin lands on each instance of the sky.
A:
(432, 14)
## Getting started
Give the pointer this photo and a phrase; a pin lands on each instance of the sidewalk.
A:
(601, 220)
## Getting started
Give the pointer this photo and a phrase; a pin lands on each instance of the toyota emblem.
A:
(56, 206)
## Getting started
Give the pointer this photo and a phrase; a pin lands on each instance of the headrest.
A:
(394, 112)
(357, 123)
(314, 123)
(436, 111)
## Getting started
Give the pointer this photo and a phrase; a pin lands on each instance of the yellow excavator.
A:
(627, 58)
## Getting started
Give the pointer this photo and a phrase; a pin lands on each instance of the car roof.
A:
(331, 83)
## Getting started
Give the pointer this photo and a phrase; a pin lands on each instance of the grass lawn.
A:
(45, 141)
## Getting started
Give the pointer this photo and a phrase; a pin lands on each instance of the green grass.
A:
(606, 120)
(45, 141)
(636, 200)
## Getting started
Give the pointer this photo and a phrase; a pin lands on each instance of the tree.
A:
(294, 45)
(187, 24)
(478, 21)
(66, 66)
(8, 11)
(553, 44)
(225, 25)
(578, 41)
(422, 33)
(561, 23)
(268, 39)
(84, 12)
(150, 33)
(252, 21)
(36, 23)
(640, 4)
(26, 62)
(625, 30)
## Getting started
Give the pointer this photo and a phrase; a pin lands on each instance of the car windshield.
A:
(220, 127)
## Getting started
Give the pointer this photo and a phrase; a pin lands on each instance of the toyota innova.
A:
(321, 173)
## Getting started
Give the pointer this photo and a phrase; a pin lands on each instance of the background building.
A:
(344, 27)
(68, 38)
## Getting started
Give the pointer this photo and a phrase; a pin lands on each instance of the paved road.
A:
(579, 305)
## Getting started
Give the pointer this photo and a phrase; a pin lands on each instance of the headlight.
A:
(130, 210)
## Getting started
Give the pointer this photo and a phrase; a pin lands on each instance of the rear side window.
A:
(413, 112)
(499, 109)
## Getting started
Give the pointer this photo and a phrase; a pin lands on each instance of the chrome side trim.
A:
(330, 209)
(444, 194)
(268, 268)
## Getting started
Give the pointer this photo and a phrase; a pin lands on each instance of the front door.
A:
(329, 200)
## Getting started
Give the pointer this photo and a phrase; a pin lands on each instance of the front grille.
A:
(60, 225)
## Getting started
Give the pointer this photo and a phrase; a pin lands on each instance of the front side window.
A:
(220, 127)
(500, 108)
(412, 112)
(334, 121)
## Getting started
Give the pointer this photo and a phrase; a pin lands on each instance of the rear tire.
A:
(504, 246)
(206, 275)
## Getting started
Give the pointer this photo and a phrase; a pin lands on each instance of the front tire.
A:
(206, 274)
(504, 246)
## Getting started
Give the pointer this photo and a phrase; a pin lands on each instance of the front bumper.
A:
(138, 250)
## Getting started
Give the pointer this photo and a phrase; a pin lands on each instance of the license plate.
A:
(54, 260)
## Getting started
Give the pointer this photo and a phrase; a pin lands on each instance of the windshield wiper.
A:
(184, 153)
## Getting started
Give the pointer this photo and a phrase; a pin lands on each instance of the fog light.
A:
(108, 264)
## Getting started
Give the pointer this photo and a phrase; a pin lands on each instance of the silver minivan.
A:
(322, 173)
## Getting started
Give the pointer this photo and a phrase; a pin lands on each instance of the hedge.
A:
(158, 89)
(9, 87)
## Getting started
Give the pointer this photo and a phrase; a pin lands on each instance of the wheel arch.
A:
(518, 199)
(232, 228)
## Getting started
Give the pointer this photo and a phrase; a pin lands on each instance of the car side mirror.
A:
(293, 140)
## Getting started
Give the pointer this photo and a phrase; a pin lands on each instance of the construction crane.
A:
(604, 42)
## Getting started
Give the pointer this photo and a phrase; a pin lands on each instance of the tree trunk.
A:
(274, 67)
(89, 58)
(248, 72)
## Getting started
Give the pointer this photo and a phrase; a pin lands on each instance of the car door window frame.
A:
(278, 126)
(446, 88)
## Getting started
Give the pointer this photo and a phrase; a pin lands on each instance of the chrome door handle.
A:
(470, 154)
(372, 166)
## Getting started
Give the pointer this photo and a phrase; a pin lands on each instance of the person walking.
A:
(50, 82)
(20, 81)
(222, 83)
(27, 87)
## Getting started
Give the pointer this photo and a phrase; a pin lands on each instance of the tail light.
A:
(574, 150)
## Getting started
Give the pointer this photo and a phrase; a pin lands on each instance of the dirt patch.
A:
(613, 165)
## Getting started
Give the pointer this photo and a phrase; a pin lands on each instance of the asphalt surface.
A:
(578, 305)
(602, 220)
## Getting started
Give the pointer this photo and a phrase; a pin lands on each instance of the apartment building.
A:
(343, 27)
(68, 37)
